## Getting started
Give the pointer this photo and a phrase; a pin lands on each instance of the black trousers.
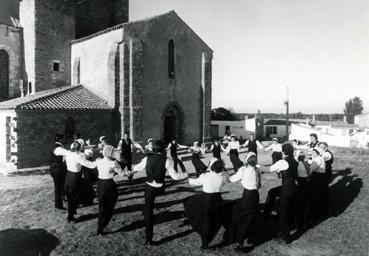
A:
(148, 211)
(126, 162)
(287, 206)
(59, 180)
(108, 195)
(328, 173)
(318, 197)
(270, 200)
(244, 214)
(177, 161)
(72, 181)
(302, 202)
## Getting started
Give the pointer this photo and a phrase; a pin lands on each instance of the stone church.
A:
(83, 67)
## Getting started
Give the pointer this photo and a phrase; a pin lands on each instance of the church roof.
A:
(63, 98)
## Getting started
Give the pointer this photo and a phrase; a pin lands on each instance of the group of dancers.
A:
(206, 212)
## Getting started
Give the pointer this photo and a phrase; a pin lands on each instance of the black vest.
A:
(126, 147)
(173, 150)
(55, 161)
(216, 151)
(253, 146)
(313, 145)
(155, 168)
(328, 164)
(289, 176)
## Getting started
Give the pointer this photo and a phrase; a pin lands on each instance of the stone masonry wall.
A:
(10, 42)
(54, 29)
(36, 131)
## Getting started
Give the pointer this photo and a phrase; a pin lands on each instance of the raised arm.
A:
(260, 146)
(83, 161)
(245, 144)
(169, 146)
(118, 168)
(59, 151)
(279, 166)
(197, 182)
(119, 147)
(268, 148)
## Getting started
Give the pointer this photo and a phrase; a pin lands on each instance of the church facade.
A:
(151, 78)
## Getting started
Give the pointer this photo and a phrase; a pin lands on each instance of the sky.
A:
(317, 48)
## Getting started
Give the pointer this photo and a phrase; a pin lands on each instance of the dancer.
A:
(216, 148)
(318, 188)
(126, 145)
(74, 160)
(106, 187)
(233, 148)
(203, 210)
(303, 172)
(196, 150)
(245, 209)
(58, 171)
(155, 186)
(173, 147)
(288, 168)
(252, 145)
(328, 158)
(276, 149)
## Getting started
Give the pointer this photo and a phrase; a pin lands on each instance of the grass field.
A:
(29, 225)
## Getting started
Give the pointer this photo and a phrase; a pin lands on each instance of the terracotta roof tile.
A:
(64, 98)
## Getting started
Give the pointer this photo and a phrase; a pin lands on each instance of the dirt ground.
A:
(29, 224)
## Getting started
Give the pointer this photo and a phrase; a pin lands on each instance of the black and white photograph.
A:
(184, 127)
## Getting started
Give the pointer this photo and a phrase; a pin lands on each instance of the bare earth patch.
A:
(29, 225)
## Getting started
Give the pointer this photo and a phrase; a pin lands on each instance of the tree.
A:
(222, 114)
(353, 107)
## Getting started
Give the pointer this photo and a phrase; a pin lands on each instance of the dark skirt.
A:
(244, 213)
(204, 214)
(200, 167)
(236, 162)
(318, 196)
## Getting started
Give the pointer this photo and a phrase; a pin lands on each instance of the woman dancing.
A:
(203, 210)
(233, 148)
(196, 150)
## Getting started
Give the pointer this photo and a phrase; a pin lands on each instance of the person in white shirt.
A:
(233, 148)
(203, 210)
(245, 209)
(276, 149)
(106, 187)
(318, 188)
(74, 160)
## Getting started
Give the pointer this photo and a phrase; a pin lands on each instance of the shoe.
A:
(72, 219)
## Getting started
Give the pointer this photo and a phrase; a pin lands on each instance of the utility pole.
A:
(287, 112)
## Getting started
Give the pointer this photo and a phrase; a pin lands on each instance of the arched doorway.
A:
(4, 74)
(173, 123)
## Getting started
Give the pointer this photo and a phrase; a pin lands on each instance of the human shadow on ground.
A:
(24, 242)
(343, 191)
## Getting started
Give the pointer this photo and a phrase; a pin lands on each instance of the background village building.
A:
(151, 78)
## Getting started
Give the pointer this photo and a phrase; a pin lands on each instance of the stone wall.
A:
(94, 16)
(10, 41)
(6, 131)
(36, 131)
(97, 57)
(27, 20)
(158, 90)
(54, 29)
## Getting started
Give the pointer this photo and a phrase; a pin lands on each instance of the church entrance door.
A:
(173, 122)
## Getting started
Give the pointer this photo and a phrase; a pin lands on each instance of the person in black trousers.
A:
(58, 171)
(288, 168)
(155, 186)
(173, 147)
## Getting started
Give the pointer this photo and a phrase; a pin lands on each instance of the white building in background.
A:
(362, 120)
(241, 128)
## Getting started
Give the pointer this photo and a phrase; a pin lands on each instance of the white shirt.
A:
(249, 176)
(74, 160)
(302, 171)
(326, 156)
(317, 165)
(279, 166)
(275, 147)
(233, 145)
(211, 182)
(107, 168)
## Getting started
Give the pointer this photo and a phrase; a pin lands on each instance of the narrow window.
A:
(171, 59)
(56, 66)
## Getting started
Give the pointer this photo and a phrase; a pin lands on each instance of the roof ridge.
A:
(47, 96)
